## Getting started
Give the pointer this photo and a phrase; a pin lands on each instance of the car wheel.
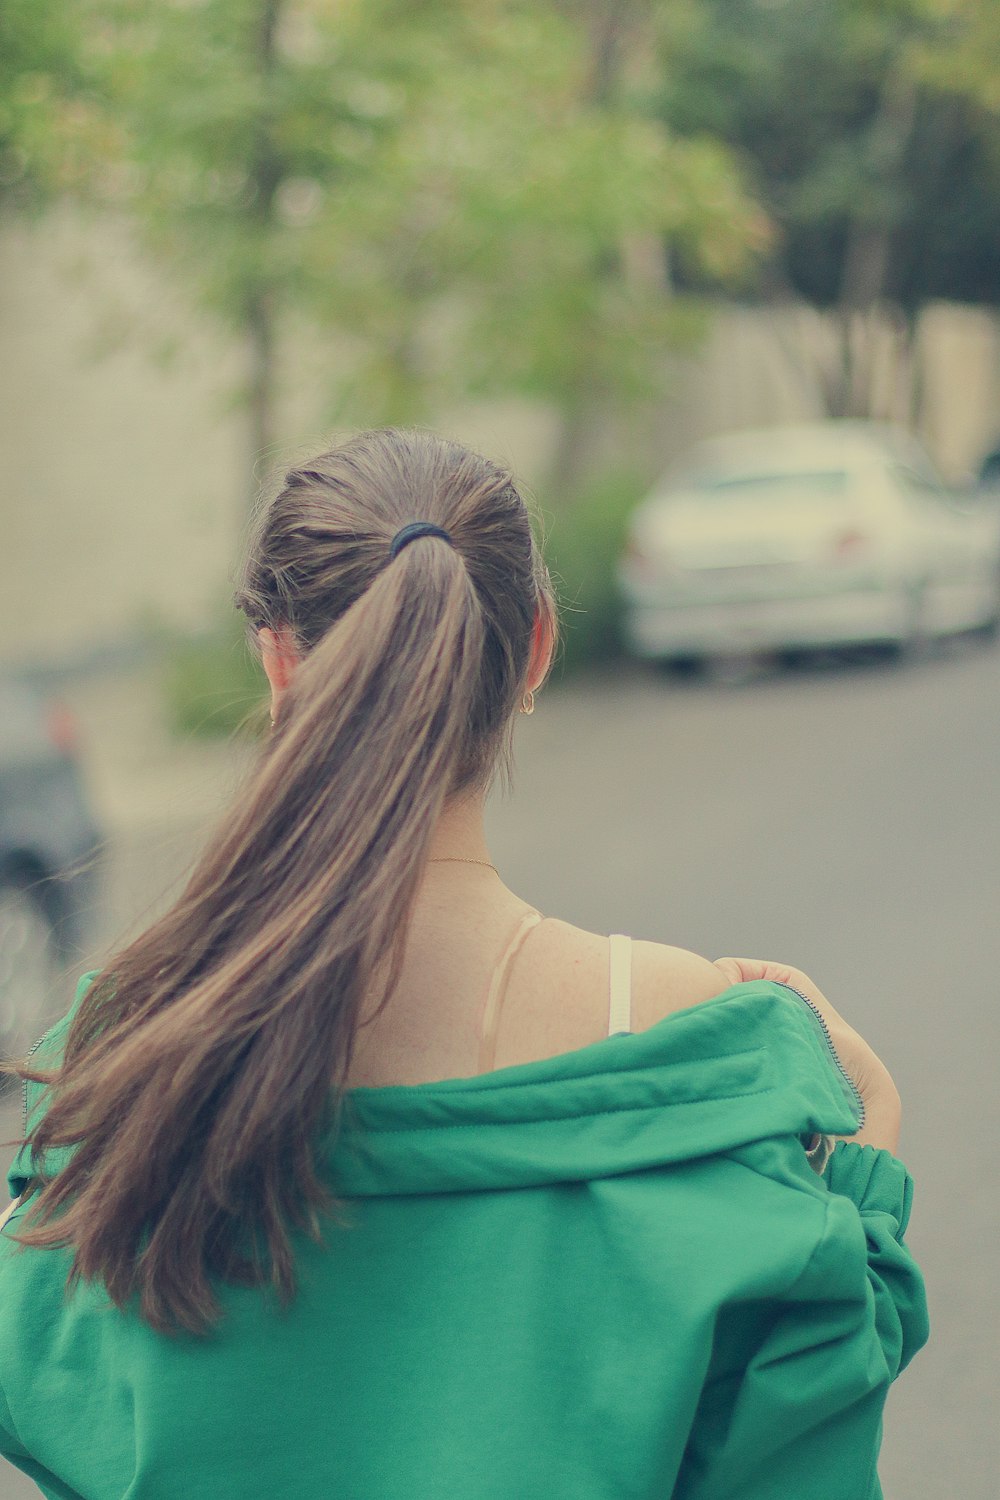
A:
(688, 666)
(30, 966)
(914, 644)
(989, 629)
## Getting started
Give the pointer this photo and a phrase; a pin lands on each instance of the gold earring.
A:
(528, 703)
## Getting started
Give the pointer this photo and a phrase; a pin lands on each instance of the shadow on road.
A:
(781, 668)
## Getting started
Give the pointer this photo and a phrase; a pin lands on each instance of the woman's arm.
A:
(869, 1073)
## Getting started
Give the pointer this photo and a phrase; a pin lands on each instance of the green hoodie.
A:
(611, 1275)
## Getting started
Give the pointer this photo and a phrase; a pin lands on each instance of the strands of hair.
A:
(205, 1066)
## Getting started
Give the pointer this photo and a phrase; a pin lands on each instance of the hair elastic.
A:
(413, 531)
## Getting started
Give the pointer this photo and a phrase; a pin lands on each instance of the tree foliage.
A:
(490, 196)
(456, 192)
(868, 130)
(51, 124)
(869, 133)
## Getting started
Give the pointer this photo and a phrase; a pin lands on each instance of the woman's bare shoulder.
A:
(664, 979)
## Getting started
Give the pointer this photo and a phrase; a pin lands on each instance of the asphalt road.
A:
(846, 820)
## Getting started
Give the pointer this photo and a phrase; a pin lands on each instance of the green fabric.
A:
(611, 1275)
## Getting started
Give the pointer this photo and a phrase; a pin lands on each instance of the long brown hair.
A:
(207, 1062)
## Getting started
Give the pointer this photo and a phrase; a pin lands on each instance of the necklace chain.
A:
(456, 859)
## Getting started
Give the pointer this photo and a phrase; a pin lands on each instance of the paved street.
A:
(846, 820)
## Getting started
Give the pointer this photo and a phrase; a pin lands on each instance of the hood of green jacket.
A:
(751, 1063)
(748, 1064)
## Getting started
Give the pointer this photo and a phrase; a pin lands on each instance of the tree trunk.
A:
(917, 392)
(582, 411)
(261, 304)
(607, 24)
(574, 448)
(842, 380)
(261, 385)
(869, 242)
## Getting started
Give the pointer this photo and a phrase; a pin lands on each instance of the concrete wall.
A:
(122, 486)
(118, 467)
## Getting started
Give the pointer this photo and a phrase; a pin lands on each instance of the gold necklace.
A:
(456, 859)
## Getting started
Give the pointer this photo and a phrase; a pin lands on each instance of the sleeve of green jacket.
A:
(805, 1419)
(16, 1453)
(46, 1054)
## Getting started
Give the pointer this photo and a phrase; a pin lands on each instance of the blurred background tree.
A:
(868, 132)
(435, 201)
(52, 123)
(461, 198)
(464, 197)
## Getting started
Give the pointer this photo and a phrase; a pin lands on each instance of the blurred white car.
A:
(826, 534)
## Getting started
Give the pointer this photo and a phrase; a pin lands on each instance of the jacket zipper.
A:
(24, 1082)
(833, 1051)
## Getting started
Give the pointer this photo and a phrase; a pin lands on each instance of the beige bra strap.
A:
(494, 1000)
(620, 984)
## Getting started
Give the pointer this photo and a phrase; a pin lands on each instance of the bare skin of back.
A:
(556, 996)
(555, 999)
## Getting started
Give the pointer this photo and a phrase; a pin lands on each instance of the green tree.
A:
(966, 45)
(866, 129)
(455, 188)
(51, 124)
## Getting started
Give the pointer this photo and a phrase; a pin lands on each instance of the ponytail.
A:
(205, 1065)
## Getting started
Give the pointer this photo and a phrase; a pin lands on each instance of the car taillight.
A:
(638, 559)
(849, 544)
(62, 728)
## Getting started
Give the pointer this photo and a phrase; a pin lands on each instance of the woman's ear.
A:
(542, 645)
(279, 659)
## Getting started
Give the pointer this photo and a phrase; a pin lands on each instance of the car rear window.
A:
(822, 483)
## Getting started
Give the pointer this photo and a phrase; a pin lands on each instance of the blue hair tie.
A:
(416, 529)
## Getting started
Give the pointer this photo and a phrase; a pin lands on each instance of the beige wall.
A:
(117, 473)
(759, 367)
(121, 483)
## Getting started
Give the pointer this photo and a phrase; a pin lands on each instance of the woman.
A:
(357, 1191)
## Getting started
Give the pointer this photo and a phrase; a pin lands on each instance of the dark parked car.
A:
(989, 471)
(49, 861)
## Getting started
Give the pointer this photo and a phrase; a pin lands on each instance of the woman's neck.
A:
(461, 833)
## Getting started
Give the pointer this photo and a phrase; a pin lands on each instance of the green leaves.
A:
(465, 195)
(52, 126)
(863, 125)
